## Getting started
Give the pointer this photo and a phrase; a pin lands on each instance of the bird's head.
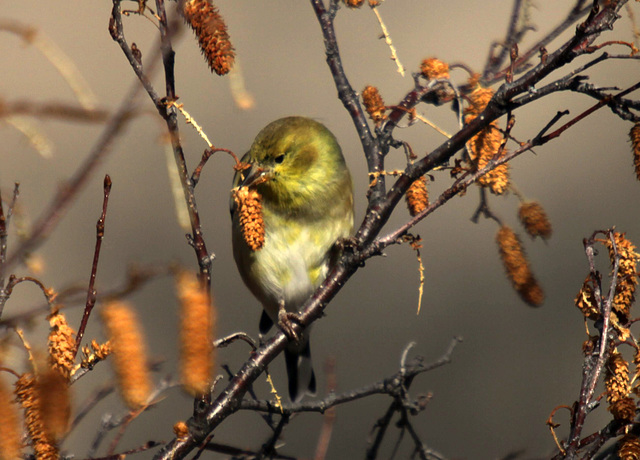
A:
(293, 162)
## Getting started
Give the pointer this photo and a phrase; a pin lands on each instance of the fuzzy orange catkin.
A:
(55, 401)
(373, 104)
(417, 196)
(517, 268)
(534, 219)
(128, 353)
(627, 272)
(10, 429)
(249, 204)
(26, 393)
(485, 145)
(616, 379)
(211, 30)
(62, 344)
(197, 321)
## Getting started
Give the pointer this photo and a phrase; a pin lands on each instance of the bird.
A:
(296, 166)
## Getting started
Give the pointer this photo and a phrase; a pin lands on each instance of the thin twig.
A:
(91, 291)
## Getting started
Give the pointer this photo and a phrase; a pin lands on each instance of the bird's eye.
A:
(279, 159)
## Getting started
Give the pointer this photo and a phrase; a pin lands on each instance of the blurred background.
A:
(516, 363)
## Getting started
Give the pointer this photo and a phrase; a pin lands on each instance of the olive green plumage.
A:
(307, 206)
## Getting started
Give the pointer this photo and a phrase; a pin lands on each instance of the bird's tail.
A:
(302, 379)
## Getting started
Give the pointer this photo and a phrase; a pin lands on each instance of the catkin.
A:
(129, 353)
(517, 268)
(627, 278)
(55, 401)
(485, 145)
(616, 380)
(249, 208)
(373, 104)
(10, 430)
(433, 69)
(534, 219)
(197, 318)
(417, 196)
(26, 393)
(629, 447)
(62, 344)
(211, 30)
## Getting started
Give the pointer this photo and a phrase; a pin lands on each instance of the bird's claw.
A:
(285, 323)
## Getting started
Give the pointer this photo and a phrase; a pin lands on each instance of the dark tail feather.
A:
(302, 379)
(265, 323)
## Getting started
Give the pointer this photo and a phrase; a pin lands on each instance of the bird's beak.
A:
(254, 175)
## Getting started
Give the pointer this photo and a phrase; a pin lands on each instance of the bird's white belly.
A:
(292, 263)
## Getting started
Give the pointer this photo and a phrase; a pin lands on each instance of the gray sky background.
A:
(516, 363)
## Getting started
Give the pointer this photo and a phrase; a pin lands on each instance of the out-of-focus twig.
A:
(58, 58)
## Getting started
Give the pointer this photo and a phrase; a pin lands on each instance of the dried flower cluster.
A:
(62, 344)
(485, 146)
(417, 196)
(129, 353)
(434, 69)
(374, 104)
(627, 278)
(249, 208)
(27, 395)
(534, 219)
(211, 30)
(197, 321)
(91, 355)
(517, 268)
(10, 429)
(634, 135)
(586, 299)
(629, 447)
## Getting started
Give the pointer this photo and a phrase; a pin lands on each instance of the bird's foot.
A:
(286, 319)
(347, 244)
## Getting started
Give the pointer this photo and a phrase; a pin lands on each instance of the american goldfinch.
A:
(297, 168)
